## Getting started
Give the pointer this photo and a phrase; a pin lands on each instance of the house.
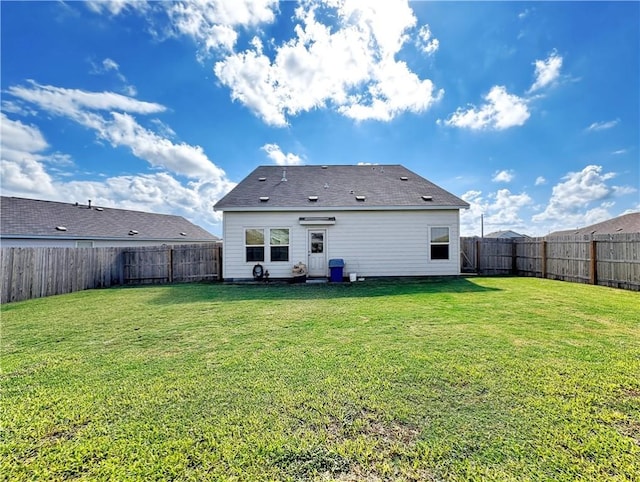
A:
(627, 223)
(33, 222)
(508, 234)
(382, 220)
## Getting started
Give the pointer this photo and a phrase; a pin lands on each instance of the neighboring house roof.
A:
(32, 218)
(508, 234)
(627, 223)
(359, 187)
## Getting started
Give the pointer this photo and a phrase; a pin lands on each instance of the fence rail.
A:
(607, 260)
(38, 272)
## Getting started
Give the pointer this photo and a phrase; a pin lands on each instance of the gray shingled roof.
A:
(22, 217)
(627, 223)
(388, 186)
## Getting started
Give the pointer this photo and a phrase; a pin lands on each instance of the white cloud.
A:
(212, 24)
(572, 199)
(540, 180)
(280, 158)
(73, 102)
(620, 151)
(350, 66)
(116, 7)
(502, 110)
(547, 71)
(503, 176)
(109, 65)
(501, 211)
(601, 126)
(425, 41)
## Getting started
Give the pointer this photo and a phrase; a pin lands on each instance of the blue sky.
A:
(528, 111)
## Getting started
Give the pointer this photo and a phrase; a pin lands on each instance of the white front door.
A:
(317, 264)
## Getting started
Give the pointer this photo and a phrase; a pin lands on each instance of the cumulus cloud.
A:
(503, 176)
(212, 25)
(425, 41)
(501, 111)
(540, 180)
(582, 198)
(501, 211)
(350, 66)
(547, 71)
(280, 158)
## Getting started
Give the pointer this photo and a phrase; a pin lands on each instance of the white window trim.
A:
(432, 243)
(263, 245)
(288, 245)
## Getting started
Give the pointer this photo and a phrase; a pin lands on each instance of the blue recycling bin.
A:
(336, 266)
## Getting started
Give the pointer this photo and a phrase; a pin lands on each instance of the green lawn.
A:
(456, 379)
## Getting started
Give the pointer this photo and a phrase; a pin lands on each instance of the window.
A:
(254, 244)
(439, 243)
(279, 242)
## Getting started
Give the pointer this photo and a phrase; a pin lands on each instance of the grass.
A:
(456, 379)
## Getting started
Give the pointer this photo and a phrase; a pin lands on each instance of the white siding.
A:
(372, 243)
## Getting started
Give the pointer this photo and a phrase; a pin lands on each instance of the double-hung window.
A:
(439, 243)
(279, 243)
(254, 244)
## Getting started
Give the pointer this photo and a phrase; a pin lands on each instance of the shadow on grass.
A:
(220, 292)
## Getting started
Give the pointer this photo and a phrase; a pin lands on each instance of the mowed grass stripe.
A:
(444, 379)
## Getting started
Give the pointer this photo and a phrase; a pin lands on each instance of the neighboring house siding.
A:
(372, 243)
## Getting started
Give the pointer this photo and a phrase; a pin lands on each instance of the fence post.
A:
(593, 263)
(543, 253)
(478, 256)
(170, 264)
(514, 257)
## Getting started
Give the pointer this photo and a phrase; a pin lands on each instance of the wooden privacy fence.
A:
(37, 272)
(607, 260)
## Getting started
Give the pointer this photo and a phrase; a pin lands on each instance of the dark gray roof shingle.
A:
(383, 186)
(627, 223)
(31, 217)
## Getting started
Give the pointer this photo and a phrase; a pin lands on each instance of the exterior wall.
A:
(97, 243)
(372, 243)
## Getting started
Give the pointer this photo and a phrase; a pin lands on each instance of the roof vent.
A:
(427, 198)
(61, 228)
(324, 167)
(133, 232)
(262, 179)
(326, 185)
(89, 204)
(99, 209)
(183, 234)
(264, 199)
(313, 198)
(284, 175)
(360, 198)
(404, 178)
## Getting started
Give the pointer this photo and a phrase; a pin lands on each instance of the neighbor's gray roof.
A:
(627, 223)
(508, 234)
(388, 186)
(25, 218)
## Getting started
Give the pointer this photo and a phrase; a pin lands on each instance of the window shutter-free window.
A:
(439, 243)
(254, 244)
(279, 243)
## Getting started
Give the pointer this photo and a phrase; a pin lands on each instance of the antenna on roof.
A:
(284, 175)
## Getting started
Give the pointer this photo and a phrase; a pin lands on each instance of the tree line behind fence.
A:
(607, 260)
(37, 272)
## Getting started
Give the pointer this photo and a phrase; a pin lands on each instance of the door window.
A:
(317, 243)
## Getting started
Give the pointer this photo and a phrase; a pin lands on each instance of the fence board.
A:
(607, 260)
(37, 272)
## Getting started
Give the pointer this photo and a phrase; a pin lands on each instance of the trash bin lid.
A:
(336, 263)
